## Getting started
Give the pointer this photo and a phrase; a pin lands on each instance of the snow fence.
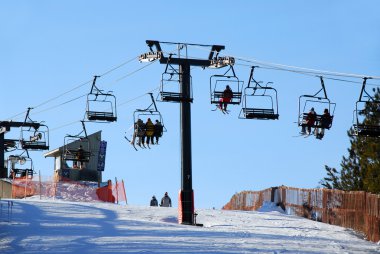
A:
(68, 190)
(357, 210)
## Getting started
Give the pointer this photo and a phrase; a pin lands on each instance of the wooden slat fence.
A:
(357, 210)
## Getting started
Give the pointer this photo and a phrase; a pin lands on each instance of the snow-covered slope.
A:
(74, 227)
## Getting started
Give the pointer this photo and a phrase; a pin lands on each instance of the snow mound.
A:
(270, 207)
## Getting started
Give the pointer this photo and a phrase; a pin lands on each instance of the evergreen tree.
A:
(361, 169)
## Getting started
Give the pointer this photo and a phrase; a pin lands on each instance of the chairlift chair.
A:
(170, 87)
(319, 103)
(259, 102)
(150, 112)
(33, 135)
(77, 147)
(35, 138)
(218, 84)
(101, 106)
(363, 126)
(20, 166)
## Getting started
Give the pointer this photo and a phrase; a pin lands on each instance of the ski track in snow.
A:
(76, 227)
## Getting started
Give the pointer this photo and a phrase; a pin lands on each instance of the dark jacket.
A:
(310, 118)
(140, 128)
(326, 120)
(227, 94)
(154, 202)
(158, 129)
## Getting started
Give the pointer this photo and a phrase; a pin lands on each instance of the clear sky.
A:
(50, 47)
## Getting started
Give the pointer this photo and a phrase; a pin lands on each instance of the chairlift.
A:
(259, 102)
(150, 112)
(140, 118)
(218, 84)
(362, 125)
(34, 136)
(170, 87)
(20, 166)
(101, 106)
(77, 147)
(319, 103)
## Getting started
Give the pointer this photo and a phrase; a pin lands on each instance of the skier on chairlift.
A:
(325, 124)
(149, 131)
(308, 122)
(226, 98)
(140, 132)
(158, 129)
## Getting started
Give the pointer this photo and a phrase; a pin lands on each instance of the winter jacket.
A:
(227, 95)
(158, 129)
(310, 118)
(154, 202)
(326, 120)
(149, 128)
(166, 201)
(140, 127)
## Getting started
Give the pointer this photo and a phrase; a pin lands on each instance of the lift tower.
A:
(186, 196)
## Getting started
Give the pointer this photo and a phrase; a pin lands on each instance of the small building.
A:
(78, 167)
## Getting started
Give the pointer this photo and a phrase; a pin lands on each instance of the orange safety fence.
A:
(66, 189)
(112, 192)
(354, 209)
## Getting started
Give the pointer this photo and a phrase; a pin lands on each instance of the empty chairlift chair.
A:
(101, 106)
(259, 102)
(170, 87)
(365, 119)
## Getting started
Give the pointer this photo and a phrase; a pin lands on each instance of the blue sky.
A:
(50, 47)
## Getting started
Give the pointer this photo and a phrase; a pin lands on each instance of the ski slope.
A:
(81, 227)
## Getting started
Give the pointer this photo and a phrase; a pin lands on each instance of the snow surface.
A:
(50, 226)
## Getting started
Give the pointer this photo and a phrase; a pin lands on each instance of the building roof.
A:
(58, 151)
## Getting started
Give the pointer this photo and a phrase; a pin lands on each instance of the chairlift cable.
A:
(76, 87)
(74, 99)
(308, 70)
(294, 68)
(138, 97)
(133, 72)
(64, 125)
(118, 66)
(307, 74)
(61, 104)
(120, 104)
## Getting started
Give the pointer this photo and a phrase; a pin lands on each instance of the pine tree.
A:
(361, 169)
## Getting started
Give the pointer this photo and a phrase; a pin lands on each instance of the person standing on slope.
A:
(166, 201)
(153, 201)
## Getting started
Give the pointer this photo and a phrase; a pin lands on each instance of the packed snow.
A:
(48, 226)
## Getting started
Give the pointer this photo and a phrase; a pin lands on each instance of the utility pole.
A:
(186, 196)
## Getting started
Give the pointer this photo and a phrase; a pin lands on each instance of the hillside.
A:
(77, 227)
